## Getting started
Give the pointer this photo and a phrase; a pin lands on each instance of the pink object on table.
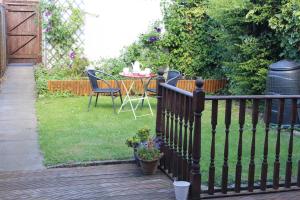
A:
(136, 75)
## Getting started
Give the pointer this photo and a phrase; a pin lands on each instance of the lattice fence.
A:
(51, 56)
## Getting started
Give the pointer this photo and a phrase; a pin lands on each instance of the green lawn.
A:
(68, 133)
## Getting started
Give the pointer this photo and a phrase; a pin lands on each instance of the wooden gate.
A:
(23, 31)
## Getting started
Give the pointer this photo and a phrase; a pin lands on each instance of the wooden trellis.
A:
(51, 56)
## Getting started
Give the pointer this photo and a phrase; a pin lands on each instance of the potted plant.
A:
(143, 134)
(149, 157)
(137, 141)
(134, 142)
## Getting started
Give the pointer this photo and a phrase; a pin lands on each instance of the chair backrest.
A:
(93, 78)
(173, 77)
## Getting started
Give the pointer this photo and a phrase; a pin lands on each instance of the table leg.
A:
(127, 98)
(147, 98)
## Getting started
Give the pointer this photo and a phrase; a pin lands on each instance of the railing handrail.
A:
(176, 89)
(239, 97)
(230, 97)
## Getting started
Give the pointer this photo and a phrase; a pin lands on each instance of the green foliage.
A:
(191, 39)
(111, 66)
(286, 24)
(248, 70)
(148, 50)
(148, 154)
(43, 74)
(143, 134)
(61, 24)
(78, 66)
(61, 33)
(133, 142)
(236, 39)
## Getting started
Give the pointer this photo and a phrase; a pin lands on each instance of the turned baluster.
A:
(224, 184)
(185, 168)
(191, 126)
(264, 166)
(167, 143)
(289, 164)
(172, 115)
(238, 170)
(277, 155)
(180, 141)
(251, 172)
(175, 150)
(214, 121)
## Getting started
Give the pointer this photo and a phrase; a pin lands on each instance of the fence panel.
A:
(82, 87)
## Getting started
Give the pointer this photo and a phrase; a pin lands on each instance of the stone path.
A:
(19, 149)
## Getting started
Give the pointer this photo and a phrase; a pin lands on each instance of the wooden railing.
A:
(2, 41)
(180, 126)
(83, 88)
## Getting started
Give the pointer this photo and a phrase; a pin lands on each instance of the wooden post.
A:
(160, 79)
(160, 115)
(198, 107)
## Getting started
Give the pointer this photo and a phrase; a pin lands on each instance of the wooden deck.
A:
(272, 196)
(122, 181)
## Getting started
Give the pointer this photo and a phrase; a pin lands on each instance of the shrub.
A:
(191, 39)
(148, 49)
(78, 66)
(43, 74)
(110, 65)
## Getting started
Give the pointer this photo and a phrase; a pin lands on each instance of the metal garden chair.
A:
(172, 78)
(94, 76)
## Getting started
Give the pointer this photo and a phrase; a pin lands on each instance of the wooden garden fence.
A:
(82, 87)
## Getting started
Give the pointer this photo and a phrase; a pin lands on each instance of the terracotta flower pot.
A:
(149, 167)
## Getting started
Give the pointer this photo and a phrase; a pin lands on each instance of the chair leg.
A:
(96, 99)
(121, 97)
(90, 101)
(113, 102)
(143, 99)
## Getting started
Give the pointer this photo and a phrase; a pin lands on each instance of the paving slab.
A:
(17, 135)
(19, 147)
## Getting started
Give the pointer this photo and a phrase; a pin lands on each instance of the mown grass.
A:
(68, 133)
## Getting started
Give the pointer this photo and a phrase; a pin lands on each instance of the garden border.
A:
(91, 163)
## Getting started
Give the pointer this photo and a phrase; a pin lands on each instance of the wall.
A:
(3, 58)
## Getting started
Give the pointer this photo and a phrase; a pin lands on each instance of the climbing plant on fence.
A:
(63, 22)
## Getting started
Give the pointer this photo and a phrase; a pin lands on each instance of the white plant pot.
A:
(181, 189)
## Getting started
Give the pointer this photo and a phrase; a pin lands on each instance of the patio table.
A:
(130, 99)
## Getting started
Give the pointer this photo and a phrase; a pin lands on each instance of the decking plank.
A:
(123, 181)
(113, 182)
